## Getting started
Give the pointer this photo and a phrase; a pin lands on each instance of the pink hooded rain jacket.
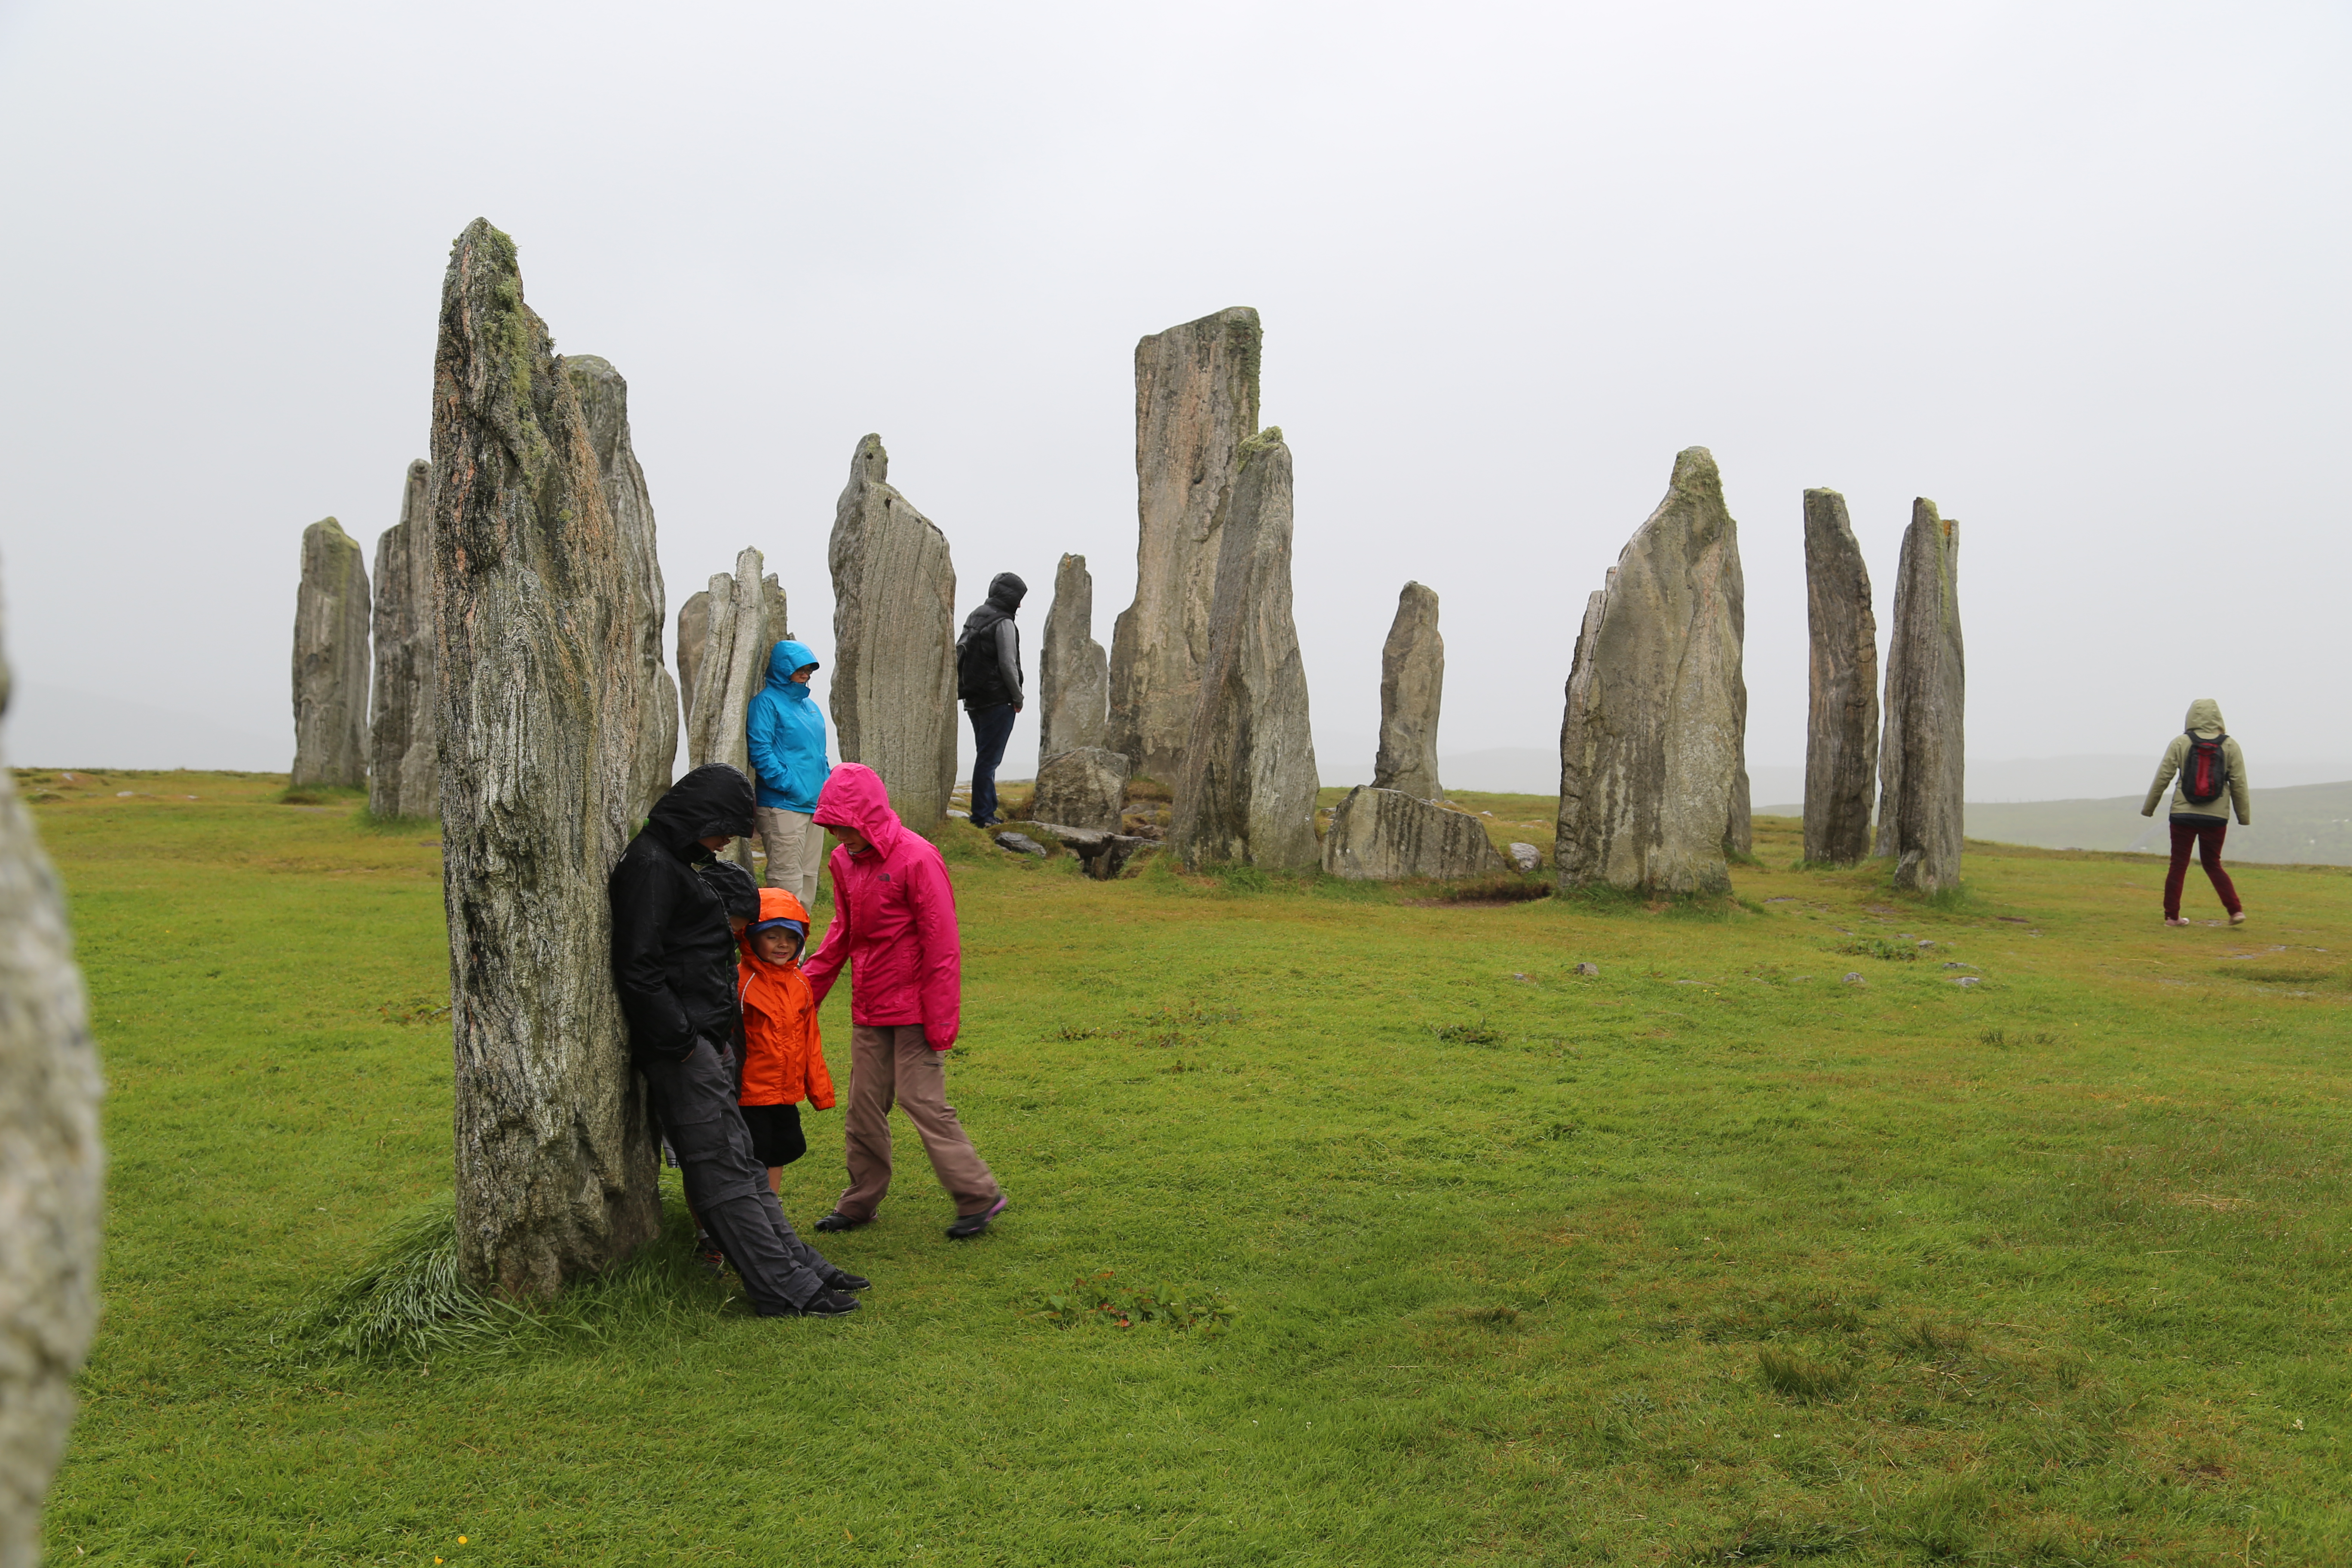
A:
(894, 919)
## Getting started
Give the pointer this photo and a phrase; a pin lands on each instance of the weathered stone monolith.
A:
(1387, 834)
(1412, 680)
(330, 660)
(1842, 712)
(51, 1169)
(1652, 744)
(540, 728)
(693, 635)
(1073, 676)
(1921, 761)
(894, 623)
(404, 762)
(604, 402)
(1083, 787)
(1245, 793)
(733, 666)
(1195, 403)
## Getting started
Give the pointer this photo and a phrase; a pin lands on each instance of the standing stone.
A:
(894, 624)
(1195, 403)
(403, 766)
(733, 666)
(1921, 762)
(693, 633)
(1073, 677)
(1083, 787)
(539, 730)
(1412, 680)
(1245, 795)
(1652, 744)
(1387, 834)
(604, 402)
(51, 1168)
(330, 660)
(1842, 713)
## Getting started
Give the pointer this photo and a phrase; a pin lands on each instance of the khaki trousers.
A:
(894, 1063)
(795, 851)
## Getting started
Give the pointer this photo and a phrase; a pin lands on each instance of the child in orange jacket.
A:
(783, 1058)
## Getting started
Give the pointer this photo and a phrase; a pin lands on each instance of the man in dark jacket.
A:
(988, 678)
(674, 962)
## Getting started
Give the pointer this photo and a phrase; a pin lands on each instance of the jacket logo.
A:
(886, 875)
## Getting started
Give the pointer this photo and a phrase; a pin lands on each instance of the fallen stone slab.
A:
(1103, 852)
(1021, 843)
(1386, 836)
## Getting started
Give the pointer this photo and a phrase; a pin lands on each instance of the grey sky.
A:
(2074, 271)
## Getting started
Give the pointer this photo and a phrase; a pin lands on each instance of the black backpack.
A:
(979, 679)
(2205, 771)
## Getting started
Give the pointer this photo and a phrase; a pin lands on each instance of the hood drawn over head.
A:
(2204, 717)
(713, 799)
(735, 888)
(1006, 590)
(855, 797)
(777, 909)
(784, 660)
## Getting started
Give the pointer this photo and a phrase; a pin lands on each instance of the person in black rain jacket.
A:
(673, 963)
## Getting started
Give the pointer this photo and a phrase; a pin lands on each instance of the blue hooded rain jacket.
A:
(786, 730)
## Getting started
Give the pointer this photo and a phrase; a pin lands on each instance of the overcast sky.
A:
(2074, 271)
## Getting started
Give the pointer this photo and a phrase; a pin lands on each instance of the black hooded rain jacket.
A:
(673, 954)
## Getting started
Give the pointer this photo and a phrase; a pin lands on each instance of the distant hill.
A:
(2305, 824)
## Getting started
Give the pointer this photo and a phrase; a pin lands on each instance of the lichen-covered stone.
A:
(1526, 857)
(1084, 788)
(1245, 792)
(1073, 676)
(1653, 740)
(693, 635)
(1386, 835)
(894, 624)
(604, 402)
(404, 762)
(1842, 709)
(1412, 683)
(540, 728)
(1921, 761)
(1196, 401)
(51, 1170)
(733, 667)
(330, 660)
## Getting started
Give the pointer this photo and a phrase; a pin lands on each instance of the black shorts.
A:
(775, 1134)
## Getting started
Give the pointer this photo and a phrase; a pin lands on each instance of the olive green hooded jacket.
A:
(2204, 721)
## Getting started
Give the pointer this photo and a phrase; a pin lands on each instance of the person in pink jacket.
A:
(894, 924)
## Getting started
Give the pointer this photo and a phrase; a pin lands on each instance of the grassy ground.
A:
(1712, 1256)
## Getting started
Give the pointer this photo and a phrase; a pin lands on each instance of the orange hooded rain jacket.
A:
(783, 1058)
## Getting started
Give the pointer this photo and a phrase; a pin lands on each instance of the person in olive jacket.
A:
(673, 962)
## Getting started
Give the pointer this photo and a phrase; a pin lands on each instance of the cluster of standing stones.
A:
(520, 694)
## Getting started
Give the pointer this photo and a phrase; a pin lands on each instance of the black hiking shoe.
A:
(825, 1304)
(974, 1223)
(837, 1220)
(844, 1282)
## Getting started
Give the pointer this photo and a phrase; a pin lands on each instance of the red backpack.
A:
(2205, 771)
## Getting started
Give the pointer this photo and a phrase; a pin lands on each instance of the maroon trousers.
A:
(2207, 837)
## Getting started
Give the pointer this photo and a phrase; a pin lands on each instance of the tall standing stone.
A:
(733, 668)
(539, 730)
(604, 402)
(1651, 745)
(1245, 795)
(330, 660)
(51, 1169)
(1073, 677)
(893, 624)
(1413, 682)
(1922, 761)
(1196, 401)
(1842, 710)
(403, 765)
(693, 636)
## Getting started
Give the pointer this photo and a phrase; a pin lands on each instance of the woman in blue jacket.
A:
(785, 731)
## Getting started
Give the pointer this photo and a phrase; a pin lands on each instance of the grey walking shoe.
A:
(974, 1223)
(841, 1279)
(824, 1304)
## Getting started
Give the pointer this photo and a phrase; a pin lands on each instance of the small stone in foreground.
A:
(1020, 844)
(1587, 969)
(1854, 979)
(1526, 857)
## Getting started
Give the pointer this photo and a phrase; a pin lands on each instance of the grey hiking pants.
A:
(694, 1101)
(893, 1064)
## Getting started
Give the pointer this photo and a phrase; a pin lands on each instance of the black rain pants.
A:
(694, 1101)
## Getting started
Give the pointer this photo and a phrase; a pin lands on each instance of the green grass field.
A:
(1712, 1256)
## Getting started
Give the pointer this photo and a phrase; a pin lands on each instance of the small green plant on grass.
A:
(1880, 947)
(2007, 1038)
(1480, 1033)
(1099, 1299)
